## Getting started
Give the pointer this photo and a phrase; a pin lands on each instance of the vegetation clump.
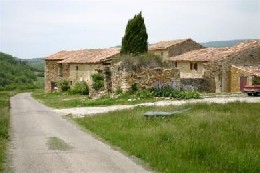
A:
(173, 91)
(135, 38)
(80, 88)
(63, 85)
(4, 125)
(98, 81)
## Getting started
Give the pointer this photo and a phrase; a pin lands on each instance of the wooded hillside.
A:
(15, 73)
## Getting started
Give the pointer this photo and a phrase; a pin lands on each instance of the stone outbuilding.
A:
(212, 66)
(166, 49)
(191, 64)
(218, 72)
(244, 75)
(76, 65)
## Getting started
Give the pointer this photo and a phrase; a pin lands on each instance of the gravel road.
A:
(33, 124)
(89, 111)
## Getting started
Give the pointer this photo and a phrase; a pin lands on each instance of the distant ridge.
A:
(227, 43)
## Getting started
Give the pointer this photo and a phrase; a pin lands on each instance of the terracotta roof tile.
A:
(253, 70)
(212, 54)
(61, 55)
(85, 56)
(165, 44)
(201, 55)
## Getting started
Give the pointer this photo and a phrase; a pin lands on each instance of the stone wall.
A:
(199, 84)
(183, 47)
(236, 73)
(186, 72)
(218, 73)
(144, 78)
(177, 49)
(53, 72)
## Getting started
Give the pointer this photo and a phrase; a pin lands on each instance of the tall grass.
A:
(209, 138)
(4, 125)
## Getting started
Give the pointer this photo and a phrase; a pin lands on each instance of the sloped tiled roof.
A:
(61, 55)
(201, 55)
(165, 44)
(212, 54)
(253, 70)
(85, 56)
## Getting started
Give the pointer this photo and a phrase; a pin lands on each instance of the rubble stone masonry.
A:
(144, 78)
(218, 73)
(53, 72)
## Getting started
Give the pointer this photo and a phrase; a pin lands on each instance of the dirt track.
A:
(85, 111)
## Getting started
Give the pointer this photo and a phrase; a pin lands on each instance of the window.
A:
(161, 54)
(77, 68)
(193, 66)
(175, 64)
(60, 70)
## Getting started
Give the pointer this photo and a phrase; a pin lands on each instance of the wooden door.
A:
(243, 82)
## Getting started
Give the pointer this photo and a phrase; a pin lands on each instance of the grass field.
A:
(65, 100)
(209, 138)
(4, 124)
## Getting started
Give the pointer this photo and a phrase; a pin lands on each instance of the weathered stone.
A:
(144, 78)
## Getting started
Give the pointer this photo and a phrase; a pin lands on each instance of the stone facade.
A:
(218, 72)
(199, 84)
(83, 72)
(144, 78)
(187, 72)
(236, 74)
(176, 49)
(53, 72)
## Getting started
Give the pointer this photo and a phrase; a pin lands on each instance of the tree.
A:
(135, 38)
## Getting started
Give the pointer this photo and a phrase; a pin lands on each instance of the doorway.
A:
(243, 82)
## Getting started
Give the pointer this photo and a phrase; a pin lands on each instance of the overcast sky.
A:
(38, 28)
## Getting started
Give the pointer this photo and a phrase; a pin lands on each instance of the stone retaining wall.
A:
(199, 84)
(144, 78)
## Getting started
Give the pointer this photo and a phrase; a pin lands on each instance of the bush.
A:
(80, 88)
(133, 88)
(184, 92)
(98, 81)
(63, 85)
(144, 94)
(119, 90)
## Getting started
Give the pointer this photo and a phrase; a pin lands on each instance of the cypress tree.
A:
(135, 38)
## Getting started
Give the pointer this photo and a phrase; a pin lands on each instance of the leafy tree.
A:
(135, 38)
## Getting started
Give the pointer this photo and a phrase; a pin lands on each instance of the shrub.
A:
(119, 90)
(80, 88)
(63, 85)
(184, 92)
(144, 94)
(133, 88)
(98, 81)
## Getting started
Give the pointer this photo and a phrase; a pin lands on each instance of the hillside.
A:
(36, 63)
(217, 44)
(15, 73)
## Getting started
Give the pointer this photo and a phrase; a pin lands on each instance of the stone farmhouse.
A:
(76, 65)
(221, 70)
(166, 49)
(207, 69)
